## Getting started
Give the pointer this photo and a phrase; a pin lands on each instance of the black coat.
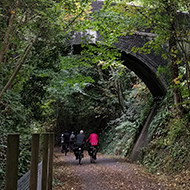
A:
(66, 137)
(80, 139)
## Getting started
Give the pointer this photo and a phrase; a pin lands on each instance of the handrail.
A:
(39, 177)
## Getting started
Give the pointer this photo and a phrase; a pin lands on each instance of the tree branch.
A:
(6, 38)
(19, 65)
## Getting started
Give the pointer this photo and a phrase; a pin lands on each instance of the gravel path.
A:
(106, 174)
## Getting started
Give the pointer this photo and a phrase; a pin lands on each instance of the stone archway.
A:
(145, 67)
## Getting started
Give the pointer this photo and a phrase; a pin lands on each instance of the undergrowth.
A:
(119, 136)
(169, 151)
(169, 140)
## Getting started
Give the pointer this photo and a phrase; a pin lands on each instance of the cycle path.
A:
(106, 174)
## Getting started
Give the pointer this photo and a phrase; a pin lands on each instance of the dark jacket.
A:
(80, 139)
(66, 137)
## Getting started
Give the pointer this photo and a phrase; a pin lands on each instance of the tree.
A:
(33, 35)
(26, 23)
(171, 27)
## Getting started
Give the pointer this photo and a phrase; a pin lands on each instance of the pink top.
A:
(93, 139)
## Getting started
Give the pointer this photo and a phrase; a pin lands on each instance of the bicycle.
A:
(65, 149)
(80, 155)
(92, 153)
(71, 146)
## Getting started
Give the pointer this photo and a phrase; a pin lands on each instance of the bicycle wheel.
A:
(95, 152)
(80, 155)
(91, 159)
(93, 156)
(66, 150)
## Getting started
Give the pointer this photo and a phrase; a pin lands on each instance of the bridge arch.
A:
(155, 84)
(143, 65)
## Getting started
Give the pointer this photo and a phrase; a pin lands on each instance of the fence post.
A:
(45, 161)
(34, 162)
(12, 162)
(51, 146)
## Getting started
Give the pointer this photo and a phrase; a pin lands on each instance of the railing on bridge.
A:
(40, 175)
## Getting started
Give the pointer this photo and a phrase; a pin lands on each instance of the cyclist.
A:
(80, 140)
(72, 140)
(93, 142)
(62, 143)
(66, 140)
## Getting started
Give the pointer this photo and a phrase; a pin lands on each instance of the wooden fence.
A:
(11, 180)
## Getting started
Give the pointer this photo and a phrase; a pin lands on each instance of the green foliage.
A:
(163, 114)
(69, 79)
(3, 158)
(169, 151)
(125, 133)
(24, 153)
(107, 141)
(55, 90)
(121, 132)
(101, 53)
(12, 113)
(25, 106)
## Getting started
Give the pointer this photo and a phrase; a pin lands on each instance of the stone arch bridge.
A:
(143, 65)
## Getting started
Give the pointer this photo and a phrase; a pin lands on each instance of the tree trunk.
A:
(118, 87)
(5, 44)
(6, 39)
(174, 68)
(18, 67)
(187, 74)
(120, 96)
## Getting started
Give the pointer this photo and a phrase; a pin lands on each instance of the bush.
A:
(169, 152)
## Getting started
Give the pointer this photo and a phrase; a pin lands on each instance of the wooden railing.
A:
(11, 180)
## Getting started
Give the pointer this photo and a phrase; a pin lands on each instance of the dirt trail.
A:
(106, 174)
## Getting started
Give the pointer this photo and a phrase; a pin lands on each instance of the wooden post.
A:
(51, 146)
(34, 162)
(12, 162)
(45, 161)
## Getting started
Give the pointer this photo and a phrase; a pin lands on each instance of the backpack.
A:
(62, 139)
(72, 137)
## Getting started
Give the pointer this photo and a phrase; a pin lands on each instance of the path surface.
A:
(106, 174)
